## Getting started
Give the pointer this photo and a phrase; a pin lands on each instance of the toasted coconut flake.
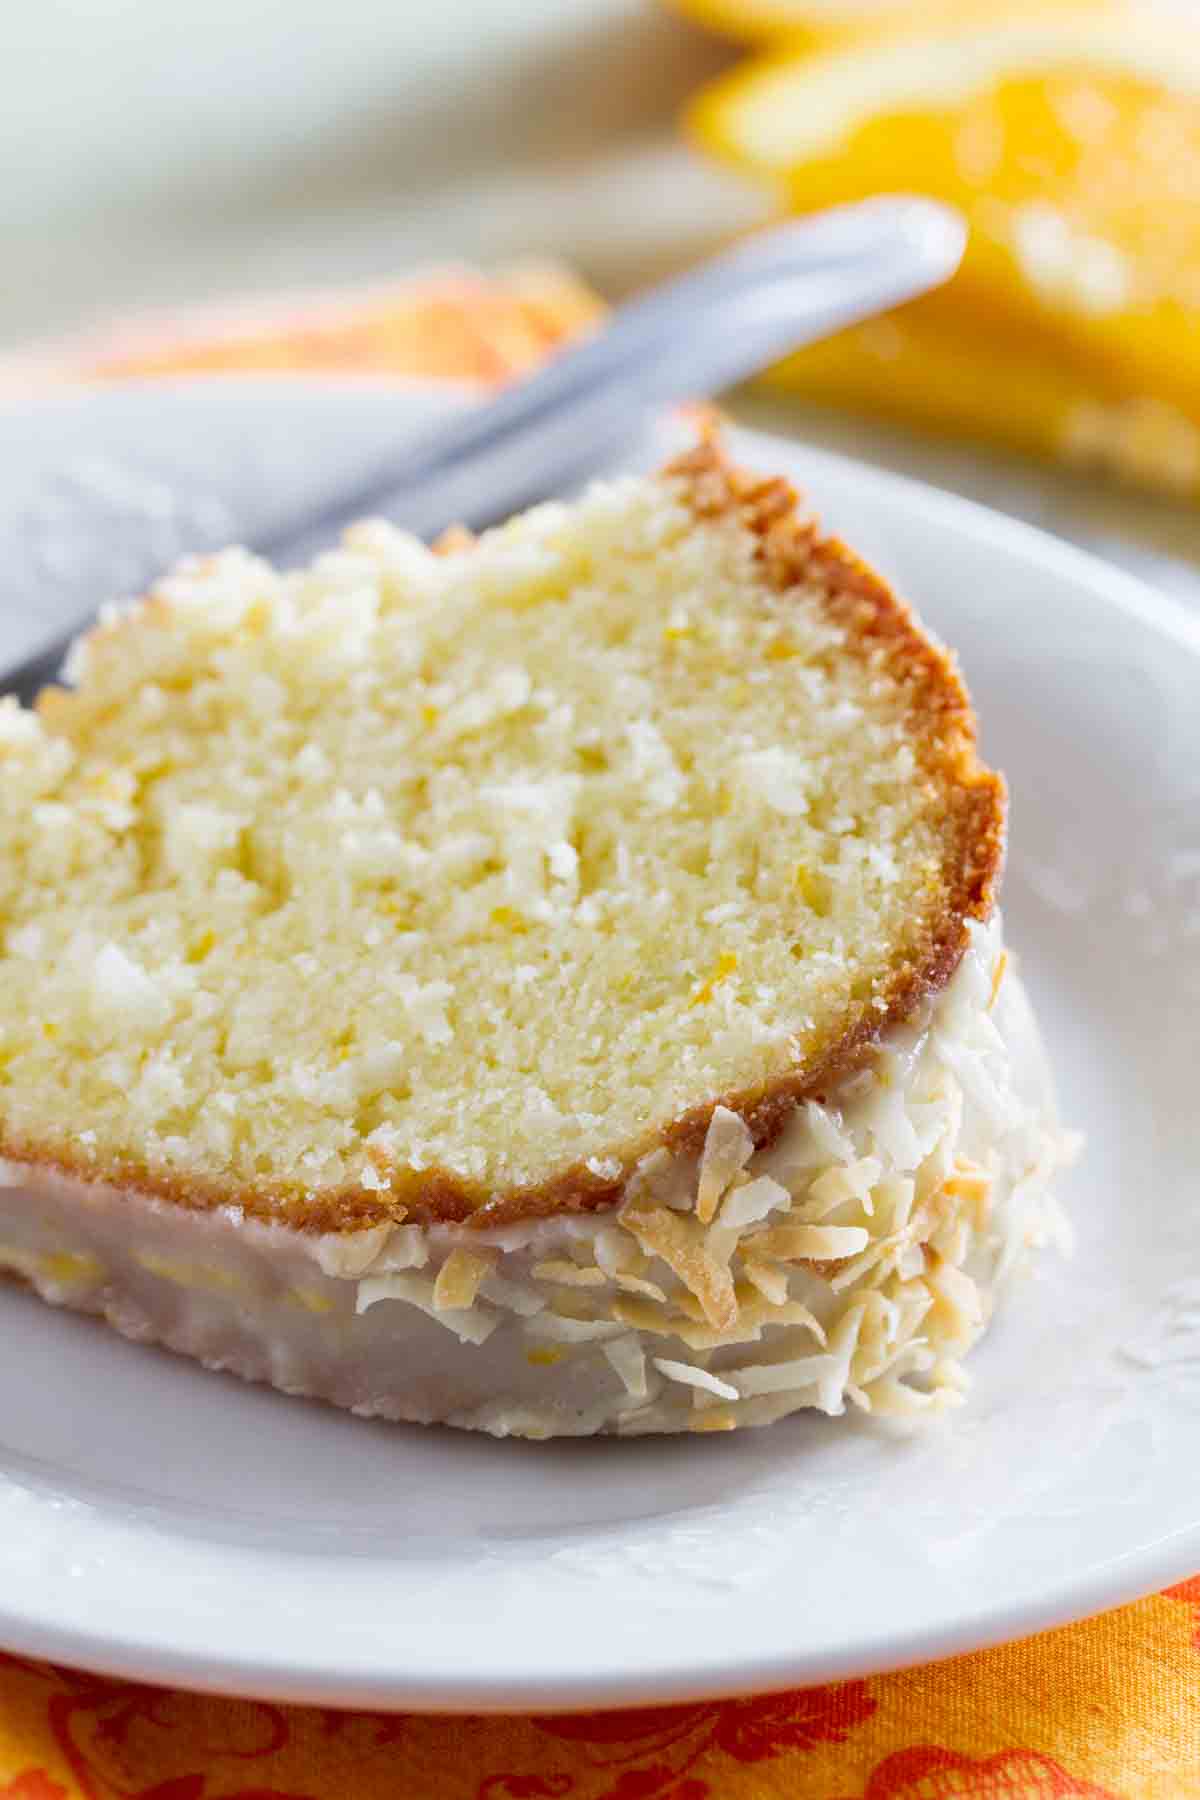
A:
(659, 1322)
(779, 1378)
(459, 1278)
(629, 1360)
(843, 1342)
(728, 1147)
(754, 1314)
(937, 1165)
(407, 1248)
(703, 1337)
(880, 1258)
(513, 1296)
(914, 1300)
(812, 1243)
(910, 1263)
(616, 1253)
(850, 1181)
(566, 1330)
(640, 1315)
(958, 1298)
(634, 1284)
(569, 1274)
(681, 1245)
(690, 1376)
(473, 1325)
(651, 1174)
(751, 1203)
(997, 978)
(895, 1198)
(826, 1131)
(971, 1183)
(351, 1253)
(769, 1278)
(867, 1369)
(950, 1239)
(791, 1312)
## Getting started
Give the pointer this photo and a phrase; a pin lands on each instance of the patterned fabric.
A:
(1100, 1710)
(1106, 1710)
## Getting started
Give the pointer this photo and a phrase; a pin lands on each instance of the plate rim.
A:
(303, 1684)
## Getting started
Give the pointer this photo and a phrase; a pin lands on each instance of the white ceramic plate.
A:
(173, 1525)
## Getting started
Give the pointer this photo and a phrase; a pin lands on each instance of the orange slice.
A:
(920, 366)
(1073, 147)
(813, 24)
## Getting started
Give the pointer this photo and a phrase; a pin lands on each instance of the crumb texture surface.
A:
(414, 881)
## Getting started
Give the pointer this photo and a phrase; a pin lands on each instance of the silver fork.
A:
(687, 339)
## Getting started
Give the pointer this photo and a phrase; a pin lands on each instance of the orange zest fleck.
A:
(509, 919)
(727, 964)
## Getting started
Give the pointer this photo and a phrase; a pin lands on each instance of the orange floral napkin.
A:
(1105, 1710)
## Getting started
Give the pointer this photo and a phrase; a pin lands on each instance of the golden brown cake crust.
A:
(792, 553)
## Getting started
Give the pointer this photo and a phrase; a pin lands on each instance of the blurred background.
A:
(175, 152)
(225, 184)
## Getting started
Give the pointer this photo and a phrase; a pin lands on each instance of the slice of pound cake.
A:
(551, 986)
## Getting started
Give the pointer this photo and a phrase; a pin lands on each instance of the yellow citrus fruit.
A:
(922, 366)
(825, 22)
(1073, 148)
